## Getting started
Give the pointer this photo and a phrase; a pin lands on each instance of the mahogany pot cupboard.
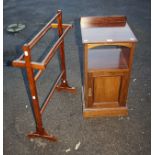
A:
(109, 46)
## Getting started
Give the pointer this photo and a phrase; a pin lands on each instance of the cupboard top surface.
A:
(107, 34)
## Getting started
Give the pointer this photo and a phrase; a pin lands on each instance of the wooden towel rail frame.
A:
(40, 66)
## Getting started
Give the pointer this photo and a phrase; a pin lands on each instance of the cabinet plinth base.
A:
(98, 112)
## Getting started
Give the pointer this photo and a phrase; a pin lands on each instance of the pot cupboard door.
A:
(107, 91)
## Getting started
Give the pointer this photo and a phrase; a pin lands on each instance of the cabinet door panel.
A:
(107, 89)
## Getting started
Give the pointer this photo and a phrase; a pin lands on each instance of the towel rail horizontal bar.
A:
(42, 32)
(21, 57)
(55, 25)
(41, 66)
(22, 64)
(55, 47)
(52, 51)
(38, 75)
(51, 93)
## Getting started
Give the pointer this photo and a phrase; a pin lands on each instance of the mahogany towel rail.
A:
(40, 66)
